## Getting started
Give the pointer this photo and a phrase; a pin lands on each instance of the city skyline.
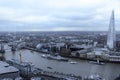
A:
(57, 15)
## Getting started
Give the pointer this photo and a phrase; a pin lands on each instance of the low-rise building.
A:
(7, 71)
(80, 53)
(114, 58)
(99, 54)
(90, 55)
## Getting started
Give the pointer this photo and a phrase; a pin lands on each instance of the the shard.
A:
(111, 39)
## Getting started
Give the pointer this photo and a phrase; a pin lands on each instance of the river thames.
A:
(108, 71)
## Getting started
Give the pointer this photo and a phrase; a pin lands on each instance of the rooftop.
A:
(6, 68)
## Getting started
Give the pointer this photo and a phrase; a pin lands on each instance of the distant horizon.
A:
(58, 31)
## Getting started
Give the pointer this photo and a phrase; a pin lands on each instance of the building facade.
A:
(111, 39)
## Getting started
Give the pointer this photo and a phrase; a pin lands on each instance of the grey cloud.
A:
(69, 16)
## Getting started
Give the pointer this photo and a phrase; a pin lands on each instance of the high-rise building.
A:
(111, 39)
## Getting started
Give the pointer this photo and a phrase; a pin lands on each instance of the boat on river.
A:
(93, 77)
(54, 57)
(96, 62)
(73, 62)
(49, 67)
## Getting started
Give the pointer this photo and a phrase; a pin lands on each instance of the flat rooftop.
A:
(5, 68)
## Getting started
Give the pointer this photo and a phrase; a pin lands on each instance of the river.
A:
(83, 68)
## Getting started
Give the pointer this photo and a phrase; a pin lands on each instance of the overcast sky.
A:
(58, 15)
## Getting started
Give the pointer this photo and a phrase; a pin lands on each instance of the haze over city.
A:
(57, 15)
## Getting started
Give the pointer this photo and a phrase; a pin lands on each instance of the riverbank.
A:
(81, 58)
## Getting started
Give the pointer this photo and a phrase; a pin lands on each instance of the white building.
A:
(114, 58)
